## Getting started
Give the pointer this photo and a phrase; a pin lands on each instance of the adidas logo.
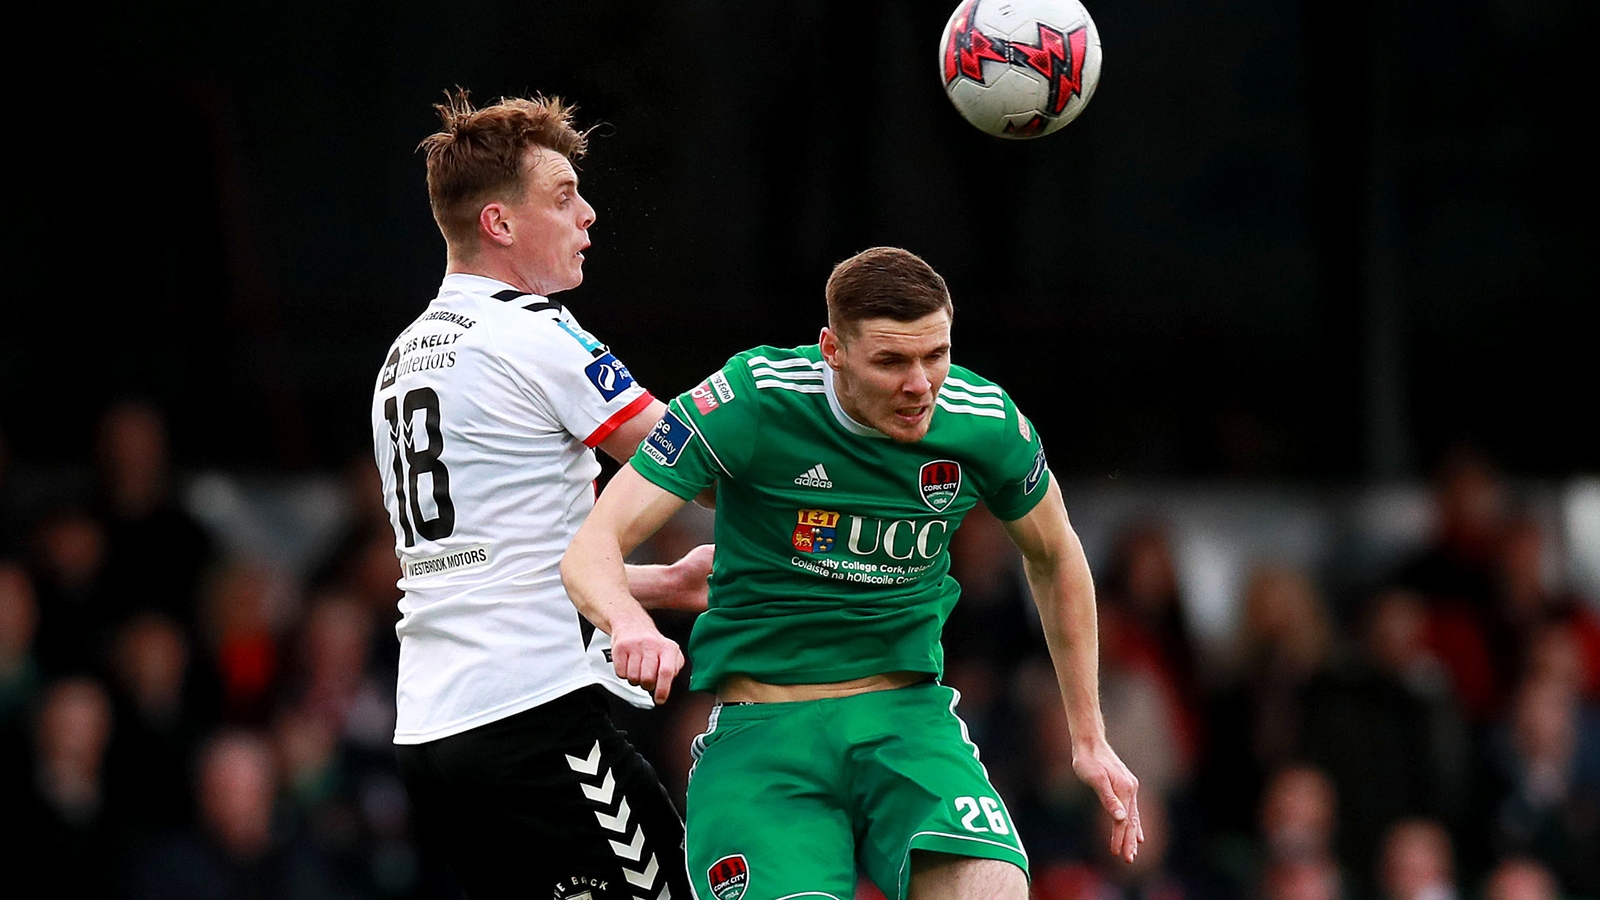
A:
(816, 477)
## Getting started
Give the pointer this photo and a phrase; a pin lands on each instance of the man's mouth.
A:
(911, 415)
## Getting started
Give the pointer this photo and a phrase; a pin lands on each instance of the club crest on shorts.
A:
(939, 483)
(729, 876)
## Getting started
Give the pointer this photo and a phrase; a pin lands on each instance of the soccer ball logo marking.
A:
(1043, 64)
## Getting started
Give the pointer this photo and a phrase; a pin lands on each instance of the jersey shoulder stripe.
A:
(786, 372)
(969, 394)
(973, 386)
(989, 412)
(791, 386)
(539, 305)
(796, 362)
(951, 393)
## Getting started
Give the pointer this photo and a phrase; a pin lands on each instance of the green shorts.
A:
(791, 799)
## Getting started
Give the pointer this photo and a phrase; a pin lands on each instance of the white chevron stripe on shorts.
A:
(632, 850)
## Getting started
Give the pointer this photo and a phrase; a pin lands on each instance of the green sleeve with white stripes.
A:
(709, 433)
(1019, 475)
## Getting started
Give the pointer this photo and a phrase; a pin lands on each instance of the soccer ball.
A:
(1020, 68)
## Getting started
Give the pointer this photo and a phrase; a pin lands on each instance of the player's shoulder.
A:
(756, 379)
(963, 378)
(974, 404)
(537, 331)
(964, 387)
(779, 357)
(788, 370)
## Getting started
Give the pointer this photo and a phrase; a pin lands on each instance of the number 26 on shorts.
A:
(972, 808)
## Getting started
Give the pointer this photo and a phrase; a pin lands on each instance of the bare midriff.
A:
(744, 689)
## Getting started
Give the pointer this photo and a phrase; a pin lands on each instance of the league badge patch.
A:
(667, 440)
(817, 530)
(729, 876)
(609, 376)
(1023, 429)
(939, 483)
(1036, 474)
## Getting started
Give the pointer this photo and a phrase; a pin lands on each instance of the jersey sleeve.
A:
(1020, 475)
(708, 433)
(578, 379)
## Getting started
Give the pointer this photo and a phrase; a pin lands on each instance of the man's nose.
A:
(918, 382)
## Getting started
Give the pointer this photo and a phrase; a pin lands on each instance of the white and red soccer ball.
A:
(1020, 68)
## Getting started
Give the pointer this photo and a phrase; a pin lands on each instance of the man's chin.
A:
(904, 434)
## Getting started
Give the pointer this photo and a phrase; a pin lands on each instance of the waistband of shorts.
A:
(756, 712)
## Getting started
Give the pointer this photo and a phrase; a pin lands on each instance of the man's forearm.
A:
(653, 586)
(1064, 593)
(600, 584)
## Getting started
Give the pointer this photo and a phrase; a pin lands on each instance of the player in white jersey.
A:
(485, 417)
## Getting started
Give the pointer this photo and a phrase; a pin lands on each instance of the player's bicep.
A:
(632, 508)
(579, 381)
(625, 439)
(1044, 534)
(676, 457)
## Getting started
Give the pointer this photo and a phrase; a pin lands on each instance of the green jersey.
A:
(833, 540)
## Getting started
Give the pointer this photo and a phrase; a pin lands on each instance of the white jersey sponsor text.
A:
(484, 418)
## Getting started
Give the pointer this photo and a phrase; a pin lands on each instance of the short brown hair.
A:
(479, 155)
(884, 282)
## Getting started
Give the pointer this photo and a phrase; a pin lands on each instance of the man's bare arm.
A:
(1063, 589)
(621, 444)
(681, 585)
(629, 510)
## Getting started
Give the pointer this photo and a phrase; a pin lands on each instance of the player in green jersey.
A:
(841, 471)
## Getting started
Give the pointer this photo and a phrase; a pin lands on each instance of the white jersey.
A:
(483, 421)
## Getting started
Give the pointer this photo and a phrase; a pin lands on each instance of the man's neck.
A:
(488, 268)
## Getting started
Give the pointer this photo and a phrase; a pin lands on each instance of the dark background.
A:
(1313, 240)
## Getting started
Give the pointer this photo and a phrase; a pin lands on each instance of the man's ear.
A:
(831, 345)
(494, 224)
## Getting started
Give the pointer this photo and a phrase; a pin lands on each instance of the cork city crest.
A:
(729, 876)
(939, 483)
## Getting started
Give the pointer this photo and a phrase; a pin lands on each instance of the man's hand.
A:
(681, 585)
(1102, 770)
(644, 656)
(693, 573)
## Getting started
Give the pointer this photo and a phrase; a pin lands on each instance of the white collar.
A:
(468, 283)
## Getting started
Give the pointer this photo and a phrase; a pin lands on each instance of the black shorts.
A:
(549, 803)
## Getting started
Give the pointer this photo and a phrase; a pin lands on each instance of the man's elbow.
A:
(568, 576)
(572, 563)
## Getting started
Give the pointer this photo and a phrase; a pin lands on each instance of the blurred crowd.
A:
(177, 721)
